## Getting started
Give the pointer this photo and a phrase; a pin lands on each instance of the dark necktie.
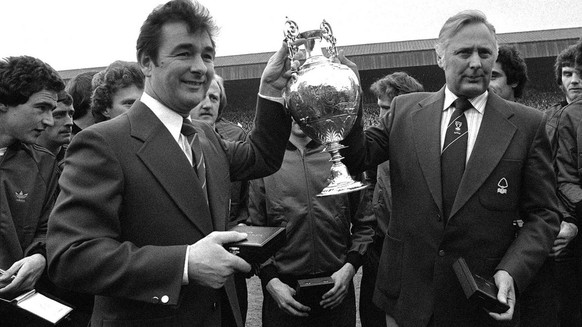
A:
(454, 154)
(189, 131)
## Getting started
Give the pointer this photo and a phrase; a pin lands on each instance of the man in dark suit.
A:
(135, 224)
(459, 199)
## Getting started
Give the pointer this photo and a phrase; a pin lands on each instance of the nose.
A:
(47, 119)
(576, 78)
(198, 66)
(475, 60)
(69, 121)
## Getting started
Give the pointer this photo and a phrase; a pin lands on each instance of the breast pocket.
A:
(500, 192)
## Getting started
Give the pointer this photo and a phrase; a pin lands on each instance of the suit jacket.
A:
(131, 202)
(509, 175)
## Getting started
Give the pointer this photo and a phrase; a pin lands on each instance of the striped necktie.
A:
(454, 154)
(189, 131)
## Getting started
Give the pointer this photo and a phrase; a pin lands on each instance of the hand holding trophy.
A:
(323, 97)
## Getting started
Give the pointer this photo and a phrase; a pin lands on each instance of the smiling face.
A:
(571, 82)
(25, 122)
(468, 60)
(184, 68)
(207, 109)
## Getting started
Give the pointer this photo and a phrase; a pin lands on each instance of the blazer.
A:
(130, 203)
(508, 176)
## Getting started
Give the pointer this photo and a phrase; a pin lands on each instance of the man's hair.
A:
(117, 76)
(395, 84)
(514, 68)
(566, 58)
(223, 102)
(457, 22)
(193, 14)
(65, 98)
(23, 76)
(79, 87)
(579, 53)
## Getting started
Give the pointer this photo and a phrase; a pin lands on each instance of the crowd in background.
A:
(119, 189)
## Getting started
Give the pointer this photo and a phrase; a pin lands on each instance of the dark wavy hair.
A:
(196, 17)
(396, 84)
(566, 58)
(117, 76)
(23, 76)
(514, 68)
(80, 88)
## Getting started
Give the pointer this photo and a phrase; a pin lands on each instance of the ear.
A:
(146, 64)
(441, 61)
(3, 108)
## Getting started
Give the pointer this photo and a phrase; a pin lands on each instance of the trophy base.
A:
(341, 181)
(341, 188)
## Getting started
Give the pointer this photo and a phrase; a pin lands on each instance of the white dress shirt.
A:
(474, 117)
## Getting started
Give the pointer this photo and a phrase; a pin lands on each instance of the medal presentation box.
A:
(261, 243)
(40, 305)
(478, 289)
(309, 291)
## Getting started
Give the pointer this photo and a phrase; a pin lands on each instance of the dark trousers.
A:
(568, 275)
(344, 315)
(539, 303)
(370, 314)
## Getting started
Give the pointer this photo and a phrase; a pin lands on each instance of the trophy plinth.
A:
(323, 96)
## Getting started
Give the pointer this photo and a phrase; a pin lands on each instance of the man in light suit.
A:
(505, 173)
(134, 224)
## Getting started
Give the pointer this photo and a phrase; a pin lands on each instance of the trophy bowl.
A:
(323, 96)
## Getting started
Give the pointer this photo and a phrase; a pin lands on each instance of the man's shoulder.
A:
(230, 130)
(415, 96)
(43, 159)
(571, 112)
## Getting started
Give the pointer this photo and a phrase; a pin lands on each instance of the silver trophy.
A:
(323, 97)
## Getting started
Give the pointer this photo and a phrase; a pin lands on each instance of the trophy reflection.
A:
(323, 96)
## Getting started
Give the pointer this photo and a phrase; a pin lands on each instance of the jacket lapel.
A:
(426, 123)
(495, 135)
(163, 157)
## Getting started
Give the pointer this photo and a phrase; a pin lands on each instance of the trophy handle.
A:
(291, 32)
(327, 34)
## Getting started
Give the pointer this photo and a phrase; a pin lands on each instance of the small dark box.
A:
(478, 289)
(310, 291)
(261, 243)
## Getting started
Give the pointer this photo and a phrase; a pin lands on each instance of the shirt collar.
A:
(479, 102)
(171, 119)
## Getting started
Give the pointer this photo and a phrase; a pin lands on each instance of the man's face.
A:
(207, 110)
(468, 59)
(60, 133)
(25, 122)
(184, 69)
(122, 100)
(499, 84)
(384, 103)
(571, 82)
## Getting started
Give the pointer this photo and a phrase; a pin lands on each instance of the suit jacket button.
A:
(155, 300)
(441, 253)
(439, 218)
(165, 299)
(214, 306)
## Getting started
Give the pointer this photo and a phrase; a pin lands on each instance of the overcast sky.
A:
(70, 34)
